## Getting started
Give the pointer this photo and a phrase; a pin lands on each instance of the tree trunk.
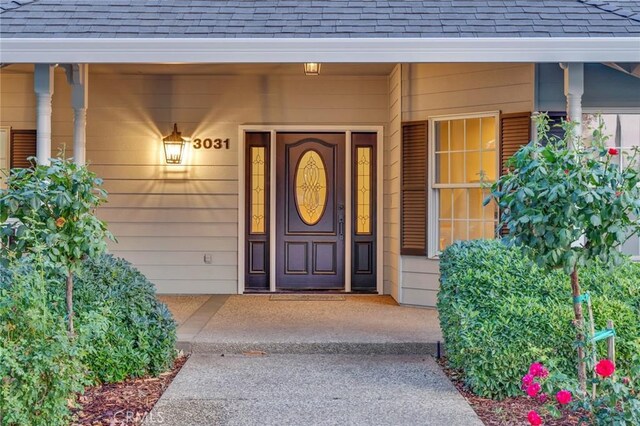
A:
(579, 323)
(70, 303)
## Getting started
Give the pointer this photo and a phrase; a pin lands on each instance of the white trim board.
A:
(347, 130)
(258, 50)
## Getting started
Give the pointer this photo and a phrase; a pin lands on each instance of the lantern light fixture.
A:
(174, 146)
(312, 68)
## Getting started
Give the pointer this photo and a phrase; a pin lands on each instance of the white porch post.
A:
(79, 79)
(43, 87)
(573, 90)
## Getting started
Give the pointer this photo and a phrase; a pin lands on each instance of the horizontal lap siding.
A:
(166, 218)
(441, 89)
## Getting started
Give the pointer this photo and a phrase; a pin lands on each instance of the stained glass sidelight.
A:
(363, 193)
(258, 181)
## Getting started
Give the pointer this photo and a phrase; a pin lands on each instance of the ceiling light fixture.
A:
(312, 68)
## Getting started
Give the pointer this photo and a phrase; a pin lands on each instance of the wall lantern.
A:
(312, 68)
(174, 146)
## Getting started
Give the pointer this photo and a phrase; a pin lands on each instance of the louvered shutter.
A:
(23, 146)
(414, 189)
(515, 132)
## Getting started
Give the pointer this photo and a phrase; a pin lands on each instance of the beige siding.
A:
(392, 188)
(166, 218)
(441, 89)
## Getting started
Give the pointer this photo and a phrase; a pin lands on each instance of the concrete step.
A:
(342, 348)
(354, 325)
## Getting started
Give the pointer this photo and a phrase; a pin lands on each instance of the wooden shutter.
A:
(414, 189)
(23, 146)
(515, 131)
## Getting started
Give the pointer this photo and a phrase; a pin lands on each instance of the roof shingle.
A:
(318, 18)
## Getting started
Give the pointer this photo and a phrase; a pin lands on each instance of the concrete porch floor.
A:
(350, 324)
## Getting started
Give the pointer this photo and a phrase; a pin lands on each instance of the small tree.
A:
(50, 209)
(569, 204)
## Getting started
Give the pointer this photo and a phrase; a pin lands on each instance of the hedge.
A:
(499, 312)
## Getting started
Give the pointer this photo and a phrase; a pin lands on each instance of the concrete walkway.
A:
(311, 390)
(289, 360)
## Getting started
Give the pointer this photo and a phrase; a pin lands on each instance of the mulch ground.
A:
(508, 412)
(125, 403)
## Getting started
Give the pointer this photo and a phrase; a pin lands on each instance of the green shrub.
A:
(39, 365)
(139, 333)
(122, 329)
(499, 312)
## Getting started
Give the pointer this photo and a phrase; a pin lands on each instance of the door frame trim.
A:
(347, 130)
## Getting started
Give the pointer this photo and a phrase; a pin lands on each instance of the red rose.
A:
(563, 397)
(543, 372)
(542, 398)
(605, 368)
(527, 379)
(533, 389)
(566, 171)
(534, 418)
(536, 369)
(613, 151)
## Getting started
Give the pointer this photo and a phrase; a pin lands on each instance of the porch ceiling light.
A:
(174, 146)
(312, 68)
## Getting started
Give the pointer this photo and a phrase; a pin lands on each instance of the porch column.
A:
(79, 97)
(43, 87)
(573, 90)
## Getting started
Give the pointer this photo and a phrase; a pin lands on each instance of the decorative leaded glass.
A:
(363, 193)
(258, 190)
(311, 187)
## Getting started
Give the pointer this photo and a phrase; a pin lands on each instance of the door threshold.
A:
(354, 292)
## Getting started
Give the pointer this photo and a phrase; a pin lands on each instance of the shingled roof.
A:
(318, 18)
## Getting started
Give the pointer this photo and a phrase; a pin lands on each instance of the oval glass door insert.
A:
(311, 187)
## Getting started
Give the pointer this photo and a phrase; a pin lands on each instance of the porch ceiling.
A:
(335, 69)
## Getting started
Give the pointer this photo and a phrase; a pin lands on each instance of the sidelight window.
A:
(363, 190)
(258, 189)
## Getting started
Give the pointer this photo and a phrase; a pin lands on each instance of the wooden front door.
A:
(310, 211)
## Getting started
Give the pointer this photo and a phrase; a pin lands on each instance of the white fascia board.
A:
(394, 50)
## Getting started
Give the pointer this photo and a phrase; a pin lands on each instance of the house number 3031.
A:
(210, 143)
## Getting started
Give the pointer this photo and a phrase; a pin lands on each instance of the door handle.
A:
(341, 221)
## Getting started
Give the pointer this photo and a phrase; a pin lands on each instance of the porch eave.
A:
(287, 50)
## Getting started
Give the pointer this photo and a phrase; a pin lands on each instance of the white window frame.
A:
(433, 236)
(617, 111)
(7, 131)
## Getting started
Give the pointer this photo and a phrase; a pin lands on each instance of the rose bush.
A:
(616, 402)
